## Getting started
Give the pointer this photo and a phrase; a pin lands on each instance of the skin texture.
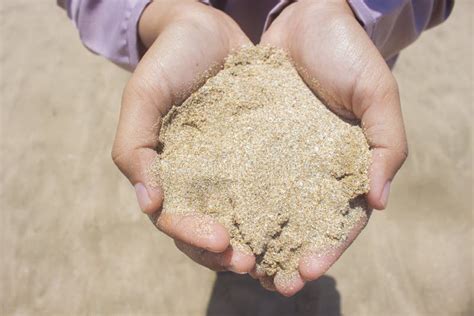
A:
(183, 39)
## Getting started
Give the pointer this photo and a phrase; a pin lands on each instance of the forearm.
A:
(156, 16)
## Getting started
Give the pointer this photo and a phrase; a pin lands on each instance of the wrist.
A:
(156, 16)
(333, 7)
(151, 23)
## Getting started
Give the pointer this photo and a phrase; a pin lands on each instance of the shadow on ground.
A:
(235, 294)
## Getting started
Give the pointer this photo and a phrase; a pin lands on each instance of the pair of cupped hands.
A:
(185, 38)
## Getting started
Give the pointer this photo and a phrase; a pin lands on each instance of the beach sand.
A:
(74, 242)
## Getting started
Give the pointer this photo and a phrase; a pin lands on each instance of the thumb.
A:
(134, 147)
(377, 104)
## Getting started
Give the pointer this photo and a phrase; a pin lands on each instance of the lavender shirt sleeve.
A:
(108, 28)
(394, 24)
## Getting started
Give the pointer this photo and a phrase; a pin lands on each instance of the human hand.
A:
(341, 65)
(184, 40)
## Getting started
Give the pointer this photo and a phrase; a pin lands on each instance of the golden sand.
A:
(255, 149)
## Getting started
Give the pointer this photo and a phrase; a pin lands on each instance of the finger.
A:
(213, 261)
(288, 284)
(193, 229)
(241, 261)
(315, 263)
(252, 274)
(267, 283)
(257, 272)
(231, 259)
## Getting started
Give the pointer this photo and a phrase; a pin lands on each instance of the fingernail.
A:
(385, 193)
(142, 196)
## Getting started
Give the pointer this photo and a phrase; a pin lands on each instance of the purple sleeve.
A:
(108, 28)
(394, 24)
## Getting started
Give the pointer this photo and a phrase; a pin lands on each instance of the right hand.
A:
(184, 39)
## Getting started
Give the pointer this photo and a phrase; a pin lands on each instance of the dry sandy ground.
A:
(73, 241)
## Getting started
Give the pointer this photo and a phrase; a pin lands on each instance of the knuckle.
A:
(402, 149)
(404, 152)
(399, 154)
(115, 155)
(371, 86)
(119, 158)
(390, 85)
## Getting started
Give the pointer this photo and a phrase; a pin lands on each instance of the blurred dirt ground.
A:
(73, 241)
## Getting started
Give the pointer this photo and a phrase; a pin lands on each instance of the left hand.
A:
(341, 65)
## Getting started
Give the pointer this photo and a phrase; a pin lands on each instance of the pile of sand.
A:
(255, 149)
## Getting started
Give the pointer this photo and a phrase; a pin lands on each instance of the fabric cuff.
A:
(132, 17)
